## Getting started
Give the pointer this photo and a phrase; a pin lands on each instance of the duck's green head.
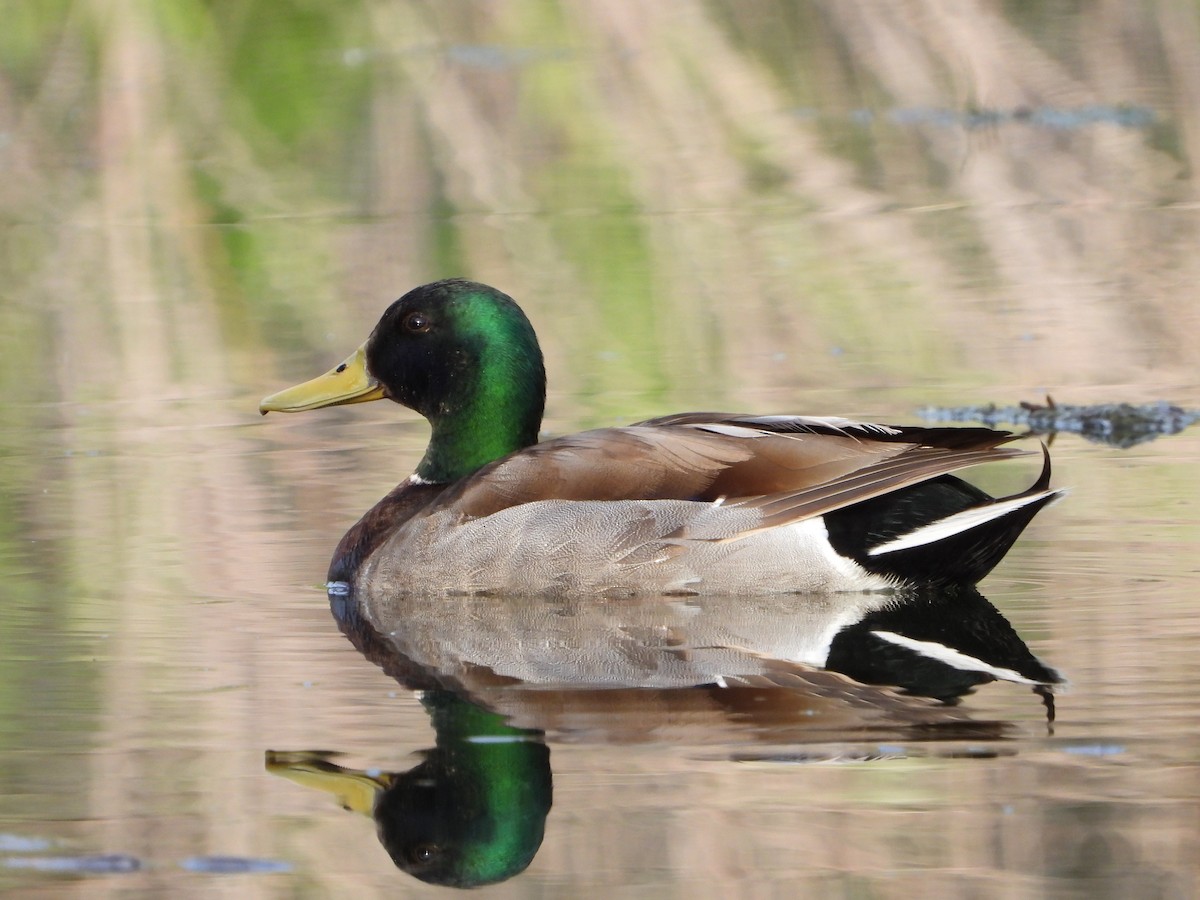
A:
(463, 355)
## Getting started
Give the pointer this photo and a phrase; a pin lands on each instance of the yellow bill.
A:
(349, 382)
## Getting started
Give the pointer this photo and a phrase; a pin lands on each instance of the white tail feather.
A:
(960, 522)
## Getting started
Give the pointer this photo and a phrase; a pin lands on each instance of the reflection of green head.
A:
(474, 811)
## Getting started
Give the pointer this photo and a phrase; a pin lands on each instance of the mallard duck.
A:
(690, 503)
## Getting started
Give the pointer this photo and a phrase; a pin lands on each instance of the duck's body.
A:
(692, 503)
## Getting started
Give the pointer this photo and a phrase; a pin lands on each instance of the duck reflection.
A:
(937, 644)
(499, 678)
(472, 813)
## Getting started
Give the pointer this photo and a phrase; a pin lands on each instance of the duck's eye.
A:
(416, 322)
(423, 853)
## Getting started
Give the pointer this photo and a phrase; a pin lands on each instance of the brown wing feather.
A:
(788, 468)
(608, 464)
(950, 438)
(916, 465)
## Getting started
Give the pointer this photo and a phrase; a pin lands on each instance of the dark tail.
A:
(944, 531)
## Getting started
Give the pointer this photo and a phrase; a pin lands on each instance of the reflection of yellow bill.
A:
(349, 382)
(354, 790)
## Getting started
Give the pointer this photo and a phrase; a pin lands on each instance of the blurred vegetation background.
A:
(936, 189)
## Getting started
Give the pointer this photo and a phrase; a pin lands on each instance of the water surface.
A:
(815, 208)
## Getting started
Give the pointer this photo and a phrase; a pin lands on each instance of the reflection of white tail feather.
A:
(952, 657)
(963, 521)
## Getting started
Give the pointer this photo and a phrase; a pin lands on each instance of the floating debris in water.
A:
(118, 863)
(19, 843)
(496, 56)
(1095, 749)
(233, 865)
(1116, 424)
(1058, 118)
(823, 757)
(109, 864)
(975, 753)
